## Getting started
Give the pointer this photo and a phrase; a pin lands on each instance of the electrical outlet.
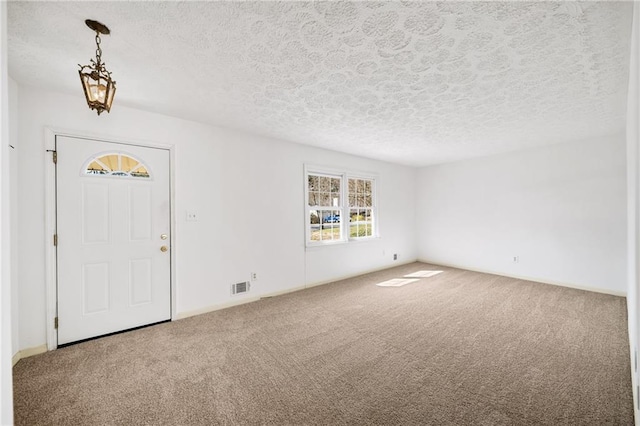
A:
(395, 256)
(516, 259)
(192, 216)
(254, 276)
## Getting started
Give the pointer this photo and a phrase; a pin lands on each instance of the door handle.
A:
(164, 248)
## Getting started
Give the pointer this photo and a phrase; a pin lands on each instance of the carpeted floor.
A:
(458, 348)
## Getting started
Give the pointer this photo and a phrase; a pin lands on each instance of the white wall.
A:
(247, 190)
(561, 209)
(6, 384)
(13, 197)
(633, 197)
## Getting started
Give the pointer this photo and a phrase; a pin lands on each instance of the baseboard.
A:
(534, 279)
(212, 308)
(634, 383)
(26, 353)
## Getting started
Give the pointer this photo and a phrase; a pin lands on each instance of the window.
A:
(339, 207)
(116, 165)
(360, 208)
(324, 194)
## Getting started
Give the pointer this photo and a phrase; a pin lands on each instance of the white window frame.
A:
(374, 205)
(343, 207)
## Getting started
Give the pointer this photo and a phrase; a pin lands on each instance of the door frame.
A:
(51, 265)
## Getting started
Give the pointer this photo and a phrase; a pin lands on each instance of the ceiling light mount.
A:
(99, 88)
(97, 27)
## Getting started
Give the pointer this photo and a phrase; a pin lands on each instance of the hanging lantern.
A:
(97, 84)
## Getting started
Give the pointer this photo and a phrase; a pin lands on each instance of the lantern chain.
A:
(98, 50)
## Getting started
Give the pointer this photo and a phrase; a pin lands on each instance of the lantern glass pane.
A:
(111, 92)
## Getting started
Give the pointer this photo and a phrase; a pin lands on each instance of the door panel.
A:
(95, 288)
(141, 214)
(95, 213)
(112, 275)
(140, 280)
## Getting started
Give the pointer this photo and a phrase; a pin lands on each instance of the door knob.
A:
(163, 236)
(164, 248)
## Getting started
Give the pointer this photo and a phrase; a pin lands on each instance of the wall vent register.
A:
(238, 288)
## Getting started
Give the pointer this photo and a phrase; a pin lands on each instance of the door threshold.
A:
(64, 345)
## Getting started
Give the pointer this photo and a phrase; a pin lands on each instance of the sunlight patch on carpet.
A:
(423, 274)
(396, 282)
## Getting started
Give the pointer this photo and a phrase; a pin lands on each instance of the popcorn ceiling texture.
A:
(409, 82)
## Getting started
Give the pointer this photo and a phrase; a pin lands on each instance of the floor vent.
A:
(238, 288)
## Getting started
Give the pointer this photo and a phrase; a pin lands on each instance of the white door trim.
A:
(50, 219)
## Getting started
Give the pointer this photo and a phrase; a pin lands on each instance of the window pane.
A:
(314, 224)
(127, 163)
(354, 225)
(313, 183)
(360, 225)
(314, 198)
(335, 192)
(329, 228)
(117, 165)
(335, 185)
(325, 192)
(368, 217)
(96, 169)
(313, 217)
(325, 184)
(140, 172)
(368, 202)
(331, 216)
(111, 161)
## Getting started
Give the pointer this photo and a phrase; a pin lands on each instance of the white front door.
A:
(113, 251)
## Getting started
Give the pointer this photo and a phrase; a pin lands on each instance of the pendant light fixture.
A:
(99, 88)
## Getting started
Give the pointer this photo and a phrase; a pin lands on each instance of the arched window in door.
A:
(116, 164)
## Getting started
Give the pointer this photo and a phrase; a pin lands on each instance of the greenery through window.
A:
(325, 202)
(360, 208)
(339, 207)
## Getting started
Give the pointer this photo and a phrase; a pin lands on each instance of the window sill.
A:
(342, 243)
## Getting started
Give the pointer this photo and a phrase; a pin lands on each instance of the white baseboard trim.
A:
(212, 308)
(634, 383)
(533, 279)
(26, 353)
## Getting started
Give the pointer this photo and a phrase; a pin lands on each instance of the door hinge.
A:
(55, 323)
(55, 239)
(55, 157)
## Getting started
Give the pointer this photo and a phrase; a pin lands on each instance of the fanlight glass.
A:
(117, 165)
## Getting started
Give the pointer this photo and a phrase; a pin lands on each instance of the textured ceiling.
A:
(409, 82)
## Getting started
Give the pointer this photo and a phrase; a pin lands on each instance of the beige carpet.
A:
(454, 349)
